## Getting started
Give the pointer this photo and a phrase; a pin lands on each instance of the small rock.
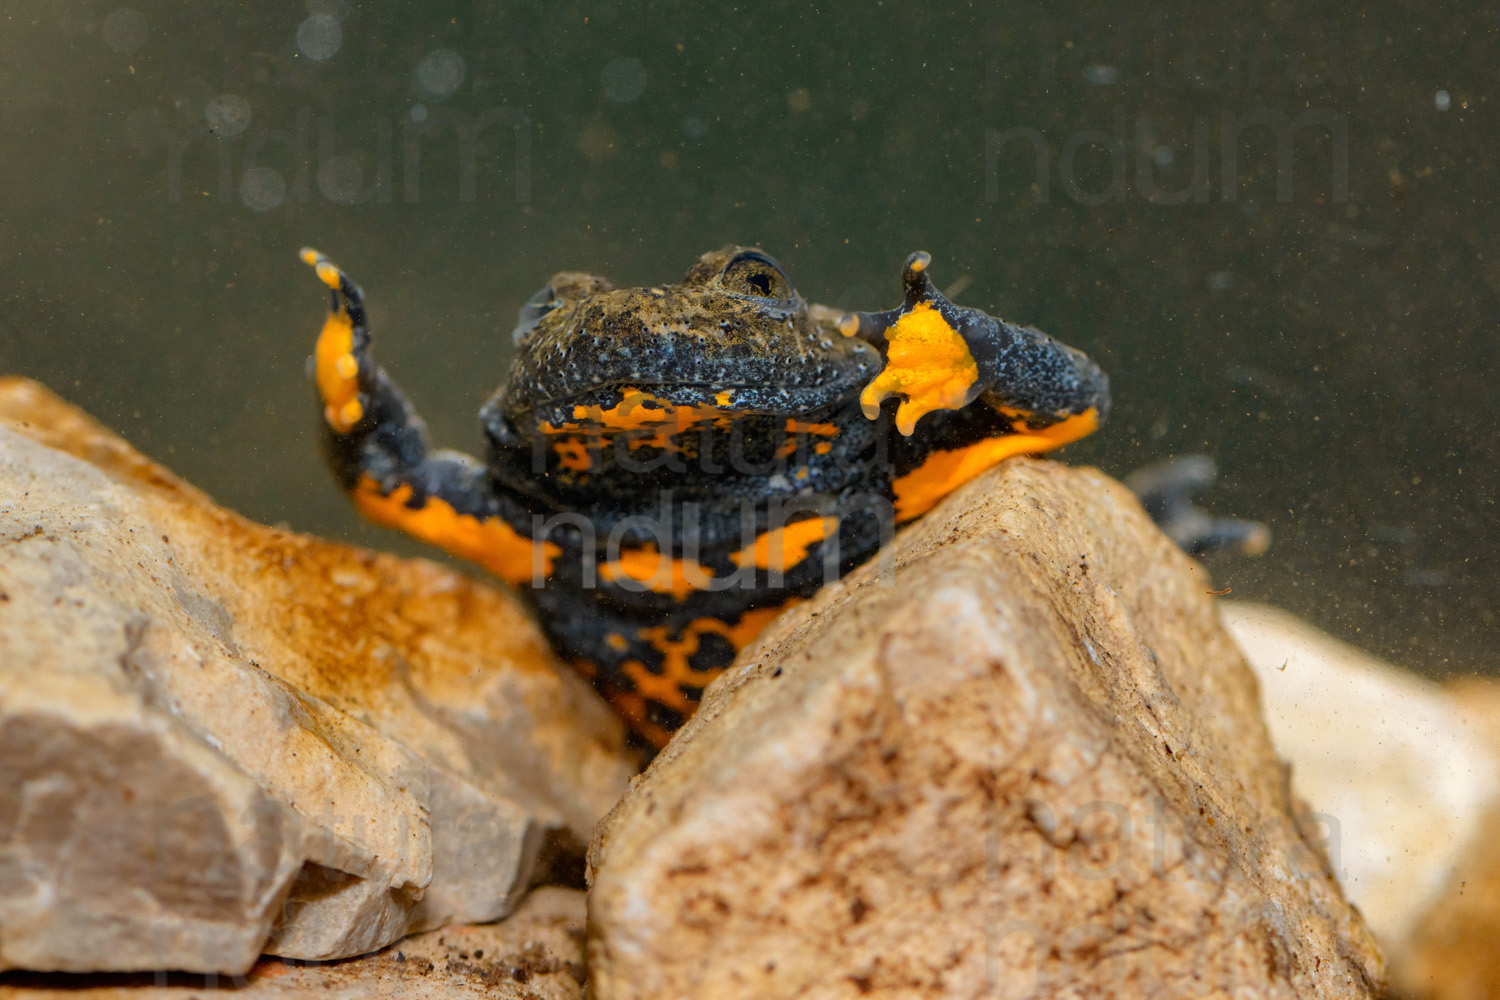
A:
(1028, 763)
(535, 954)
(219, 739)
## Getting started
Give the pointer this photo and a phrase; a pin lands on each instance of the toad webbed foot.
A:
(941, 356)
(1167, 489)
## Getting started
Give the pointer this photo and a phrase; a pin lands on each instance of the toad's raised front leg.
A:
(940, 356)
(377, 447)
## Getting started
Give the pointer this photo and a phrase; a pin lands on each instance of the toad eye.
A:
(752, 273)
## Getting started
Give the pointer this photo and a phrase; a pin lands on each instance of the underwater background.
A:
(1275, 228)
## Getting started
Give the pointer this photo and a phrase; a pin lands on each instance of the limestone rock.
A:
(1405, 774)
(1453, 953)
(1028, 761)
(536, 954)
(1406, 777)
(218, 738)
(1400, 779)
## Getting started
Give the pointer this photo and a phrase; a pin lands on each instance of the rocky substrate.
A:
(1019, 755)
(1404, 775)
(220, 740)
(1022, 759)
(535, 954)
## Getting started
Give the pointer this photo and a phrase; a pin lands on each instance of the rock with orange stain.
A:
(535, 954)
(1021, 758)
(218, 738)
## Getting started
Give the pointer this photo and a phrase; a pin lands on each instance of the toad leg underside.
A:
(377, 446)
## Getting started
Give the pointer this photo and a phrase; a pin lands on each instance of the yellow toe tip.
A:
(351, 413)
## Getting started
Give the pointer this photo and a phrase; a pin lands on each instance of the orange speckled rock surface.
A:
(535, 954)
(221, 738)
(1024, 760)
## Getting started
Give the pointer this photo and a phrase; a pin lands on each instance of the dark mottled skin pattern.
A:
(734, 325)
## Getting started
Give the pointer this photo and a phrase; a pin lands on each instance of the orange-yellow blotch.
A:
(573, 455)
(803, 427)
(796, 429)
(784, 547)
(664, 439)
(667, 688)
(942, 472)
(617, 642)
(669, 684)
(638, 410)
(928, 363)
(491, 542)
(1020, 420)
(749, 625)
(632, 708)
(336, 388)
(666, 684)
(660, 573)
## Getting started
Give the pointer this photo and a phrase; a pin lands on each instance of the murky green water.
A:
(1275, 230)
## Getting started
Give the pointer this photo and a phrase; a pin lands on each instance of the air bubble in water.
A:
(624, 80)
(262, 189)
(319, 37)
(227, 114)
(441, 72)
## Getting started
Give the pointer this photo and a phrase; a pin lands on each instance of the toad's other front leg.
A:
(1041, 394)
(940, 356)
(377, 447)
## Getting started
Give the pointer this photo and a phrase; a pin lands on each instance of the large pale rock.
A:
(1453, 953)
(1405, 775)
(1401, 779)
(535, 954)
(218, 738)
(1031, 763)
